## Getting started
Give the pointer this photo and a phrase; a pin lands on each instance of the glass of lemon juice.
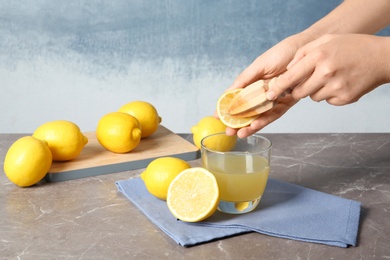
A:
(241, 167)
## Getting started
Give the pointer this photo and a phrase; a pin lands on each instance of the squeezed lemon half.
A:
(223, 105)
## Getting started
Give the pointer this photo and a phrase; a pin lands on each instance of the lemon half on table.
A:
(193, 195)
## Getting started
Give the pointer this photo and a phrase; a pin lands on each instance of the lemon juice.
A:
(241, 171)
(241, 178)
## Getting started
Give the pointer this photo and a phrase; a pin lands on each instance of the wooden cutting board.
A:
(96, 160)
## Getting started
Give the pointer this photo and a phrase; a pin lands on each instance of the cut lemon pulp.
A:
(223, 111)
(193, 195)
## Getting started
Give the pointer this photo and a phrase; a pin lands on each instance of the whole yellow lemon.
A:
(160, 173)
(210, 125)
(146, 114)
(118, 132)
(64, 138)
(27, 161)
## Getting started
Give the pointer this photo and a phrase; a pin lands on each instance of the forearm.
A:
(353, 16)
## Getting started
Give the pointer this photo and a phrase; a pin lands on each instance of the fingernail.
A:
(271, 95)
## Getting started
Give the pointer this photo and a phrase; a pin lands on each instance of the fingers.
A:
(298, 56)
(313, 87)
(320, 95)
(303, 51)
(250, 130)
(216, 114)
(231, 131)
(292, 78)
(299, 72)
(284, 104)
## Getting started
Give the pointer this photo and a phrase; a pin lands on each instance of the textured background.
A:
(78, 60)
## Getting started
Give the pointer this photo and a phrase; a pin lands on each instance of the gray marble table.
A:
(89, 219)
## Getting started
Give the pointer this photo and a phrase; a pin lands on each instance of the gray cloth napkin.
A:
(286, 210)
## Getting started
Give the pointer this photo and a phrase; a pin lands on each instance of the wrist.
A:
(298, 40)
(384, 58)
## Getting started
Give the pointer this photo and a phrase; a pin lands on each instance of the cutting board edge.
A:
(113, 168)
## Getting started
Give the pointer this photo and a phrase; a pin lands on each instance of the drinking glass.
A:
(241, 167)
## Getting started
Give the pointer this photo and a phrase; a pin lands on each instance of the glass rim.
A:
(203, 147)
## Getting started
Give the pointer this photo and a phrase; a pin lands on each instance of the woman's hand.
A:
(337, 68)
(268, 65)
(272, 62)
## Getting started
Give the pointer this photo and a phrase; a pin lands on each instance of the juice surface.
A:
(239, 177)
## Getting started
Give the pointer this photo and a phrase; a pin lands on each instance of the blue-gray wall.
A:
(78, 60)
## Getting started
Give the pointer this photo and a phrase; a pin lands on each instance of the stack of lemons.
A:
(192, 194)
(29, 158)
(121, 131)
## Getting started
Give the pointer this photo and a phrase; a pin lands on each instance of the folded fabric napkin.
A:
(285, 210)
